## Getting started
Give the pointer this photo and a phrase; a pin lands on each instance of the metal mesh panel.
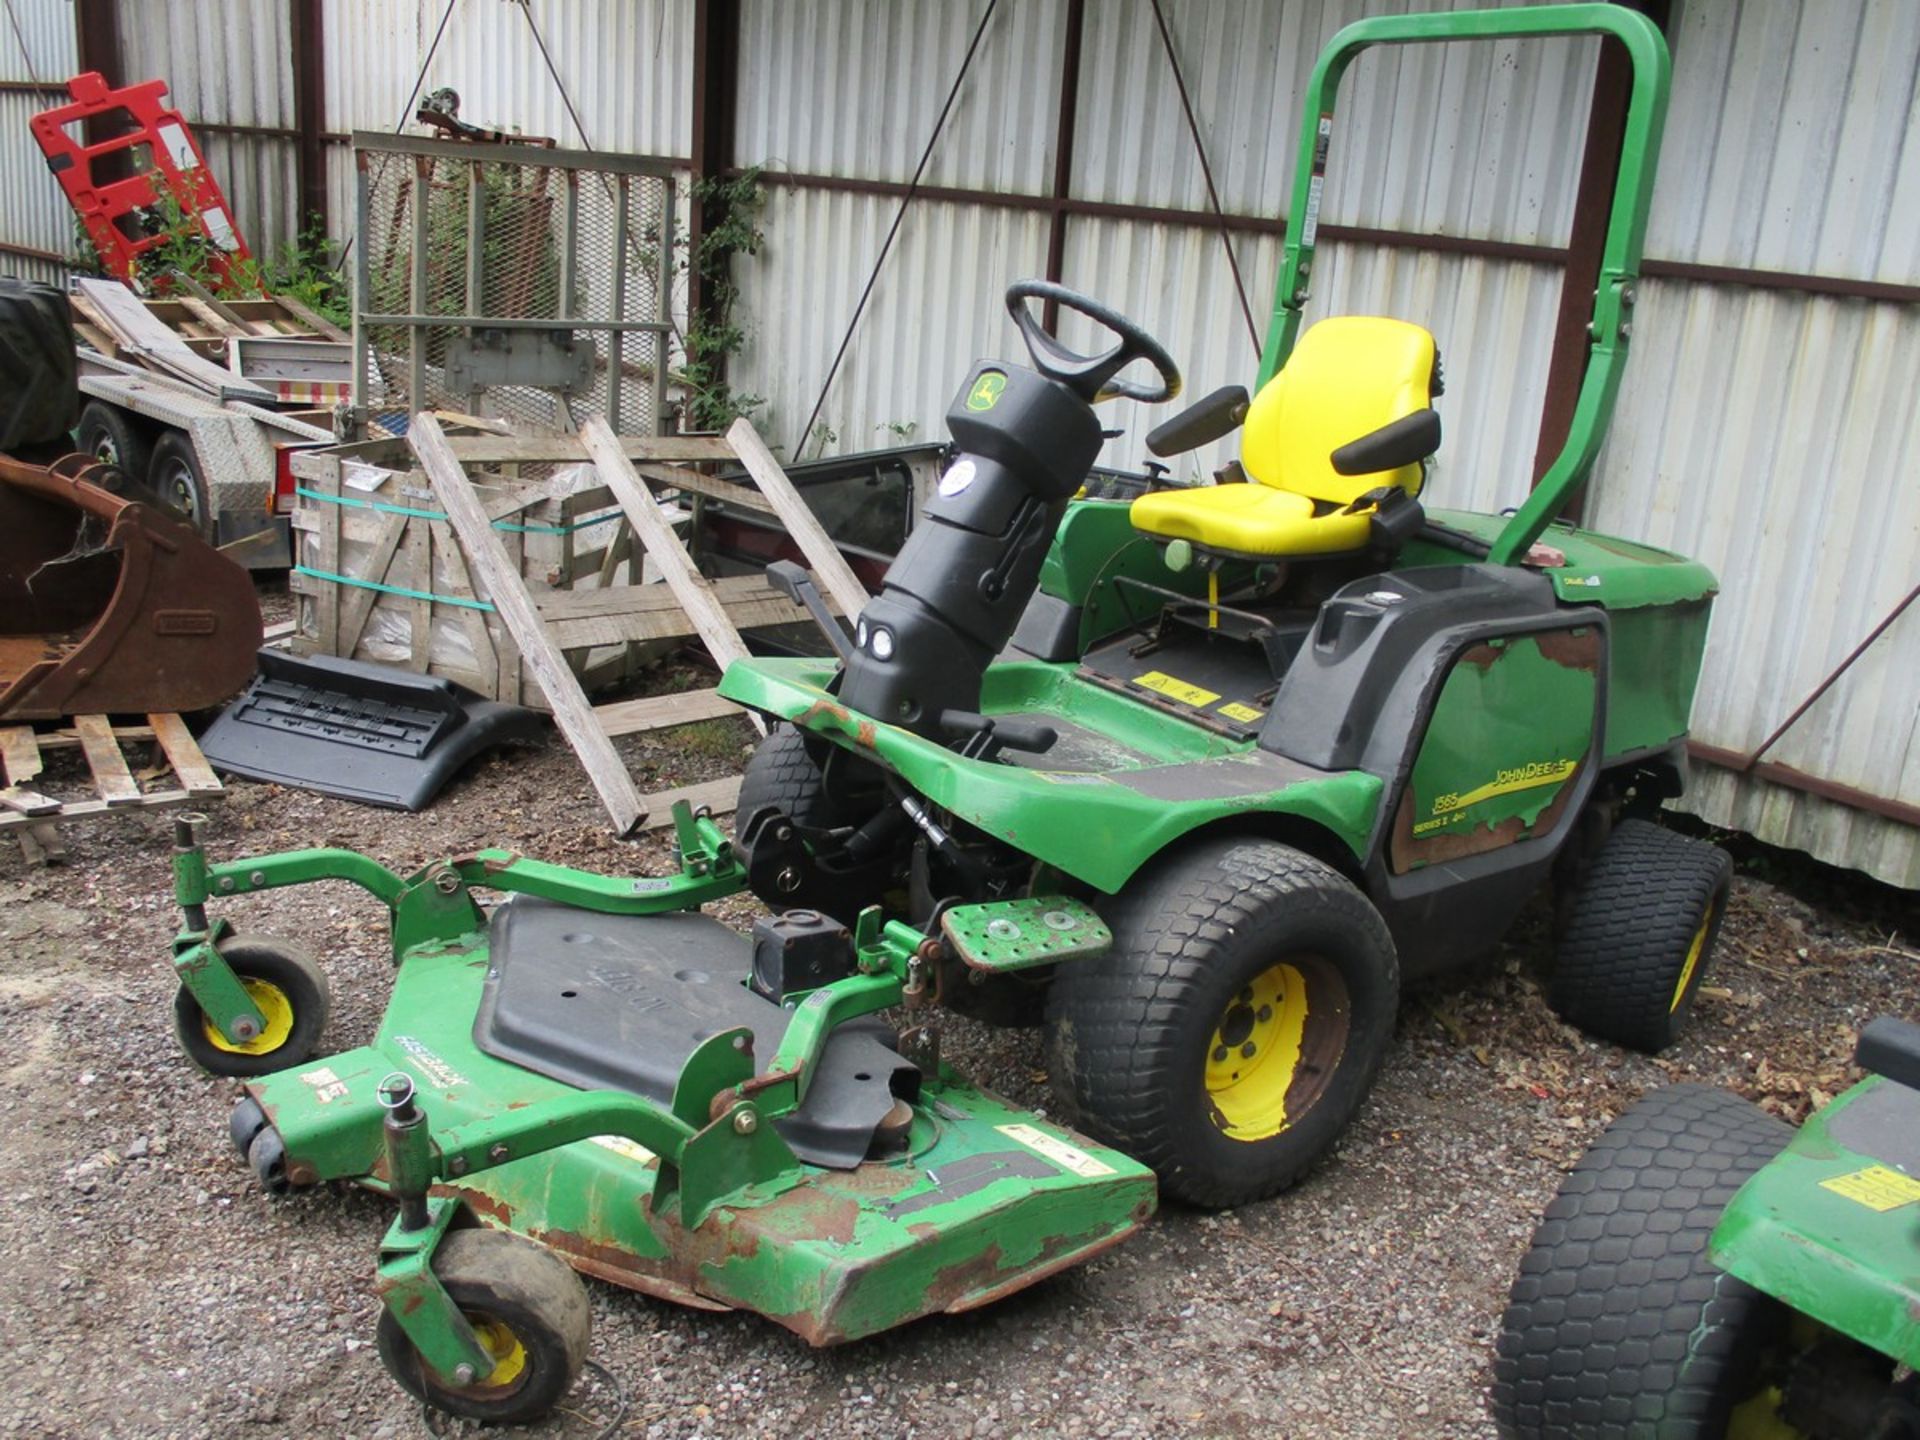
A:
(499, 232)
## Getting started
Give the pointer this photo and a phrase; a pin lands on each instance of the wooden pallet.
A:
(37, 816)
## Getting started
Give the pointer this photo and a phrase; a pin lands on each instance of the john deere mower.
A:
(1194, 774)
(1293, 736)
(1707, 1272)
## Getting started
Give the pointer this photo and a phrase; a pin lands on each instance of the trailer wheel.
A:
(529, 1310)
(115, 438)
(1640, 936)
(1618, 1324)
(292, 992)
(1237, 1023)
(175, 481)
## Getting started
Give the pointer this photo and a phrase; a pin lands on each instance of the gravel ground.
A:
(153, 1290)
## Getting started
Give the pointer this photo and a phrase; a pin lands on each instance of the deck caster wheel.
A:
(246, 1122)
(1235, 1026)
(268, 1157)
(529, 1310)
(292, 992)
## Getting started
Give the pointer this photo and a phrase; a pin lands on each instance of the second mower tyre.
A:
(1640, 936)
(1618, 1325)
(39, 395)
(782, 774)
(1237, 1023)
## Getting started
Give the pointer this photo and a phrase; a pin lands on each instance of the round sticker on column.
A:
(958, 477)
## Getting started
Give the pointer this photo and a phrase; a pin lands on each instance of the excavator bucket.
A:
(108, 606)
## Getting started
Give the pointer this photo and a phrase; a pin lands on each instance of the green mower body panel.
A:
(1831, 1227)
(989, 1198)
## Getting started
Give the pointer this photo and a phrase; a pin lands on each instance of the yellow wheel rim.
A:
(509, 1355)
(1758, 1418)
(1693, 958)
(275, 1009)
(1253, 1055)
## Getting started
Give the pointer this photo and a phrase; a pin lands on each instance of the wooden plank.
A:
(183, 753)
(327, 605)
(139, 331)
(474, 622)
(488, 560)
(19, 753)
(213, 319)
(651, 529)
(81, 809)
(823, 557)
(357, 607)
(718, 796)
(641, 613)
(662, 712)
(418, 570)
(28, 802)
(693, 481)
(40, 842)
(110, 774)
(495, 449)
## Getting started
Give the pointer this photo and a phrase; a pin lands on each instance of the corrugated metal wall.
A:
(228, 64)
(33, 212)
(1774, 433)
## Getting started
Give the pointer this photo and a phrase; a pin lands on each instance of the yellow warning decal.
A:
(1067, 1157)
(1522, 777)
(1175, 689)
(1245, 714)
(1876, 1187)
(620, 1145)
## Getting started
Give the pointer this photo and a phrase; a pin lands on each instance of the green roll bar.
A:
(1609, 328)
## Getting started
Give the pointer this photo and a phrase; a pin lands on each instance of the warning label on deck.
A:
(1067, 1157)
(1876, 1187)
(1175, 689)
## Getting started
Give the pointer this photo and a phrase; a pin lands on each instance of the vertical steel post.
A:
(362, 293)
(417, 289)
(476, 255)
(663, 308)
(309, 117)
(1064, 127)
(616, 356)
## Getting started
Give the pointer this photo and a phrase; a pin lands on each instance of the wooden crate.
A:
(380, 576)
(179, 775)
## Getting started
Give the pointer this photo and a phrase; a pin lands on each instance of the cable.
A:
(898, 216)
(1206, 171)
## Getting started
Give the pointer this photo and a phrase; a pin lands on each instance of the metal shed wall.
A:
(36, 223)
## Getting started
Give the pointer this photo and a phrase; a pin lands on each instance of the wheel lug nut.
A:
(1266, 1013)
(1219, 1052)
(1246, 1051)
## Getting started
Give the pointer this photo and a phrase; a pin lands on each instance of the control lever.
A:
(792, 581)
(998, 732)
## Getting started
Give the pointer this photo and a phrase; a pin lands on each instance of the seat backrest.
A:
(1347, 377)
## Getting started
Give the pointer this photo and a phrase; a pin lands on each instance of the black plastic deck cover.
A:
(618, 1002)
(371, 733)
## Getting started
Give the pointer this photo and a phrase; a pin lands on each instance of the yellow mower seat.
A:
(1347, 377)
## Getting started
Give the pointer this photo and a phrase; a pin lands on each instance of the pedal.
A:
(1003, 935)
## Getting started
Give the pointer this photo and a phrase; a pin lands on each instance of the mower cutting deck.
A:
(584, 1067)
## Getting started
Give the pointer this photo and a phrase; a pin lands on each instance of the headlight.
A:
(881, 643)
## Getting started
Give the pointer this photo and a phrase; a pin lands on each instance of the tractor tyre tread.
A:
(1630, 928)
(1115, 1022)
(39, 391)
(781, 773)
(1618, 1325)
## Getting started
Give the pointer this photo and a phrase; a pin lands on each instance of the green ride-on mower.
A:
(1708, 1273)
(1293, 736)
(1194, 775)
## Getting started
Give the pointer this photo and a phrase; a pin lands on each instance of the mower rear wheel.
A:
(1618, 1324)
(1237, 1023)
(1640, 936)
(293, 995)
(528, 1309)
(782, 774)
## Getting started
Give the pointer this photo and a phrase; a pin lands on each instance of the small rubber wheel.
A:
(1640, 936)
(782, 774)
(1237, 1023)
(292, 992)
(176, 484)
(115, 438)
(1618, 1325)
(528, 1309)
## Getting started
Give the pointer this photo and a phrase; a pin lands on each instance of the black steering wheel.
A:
(1091, 376)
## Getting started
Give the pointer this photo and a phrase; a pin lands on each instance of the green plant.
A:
(734, 203)
(821, 436)
(899, 429)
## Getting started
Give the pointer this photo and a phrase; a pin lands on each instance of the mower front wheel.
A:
(293, 995)
(1640, 936)
(529, 1310)
(1237, 1023)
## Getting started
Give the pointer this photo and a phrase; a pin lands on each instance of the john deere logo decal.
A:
(1532, 775)
(986, 390)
